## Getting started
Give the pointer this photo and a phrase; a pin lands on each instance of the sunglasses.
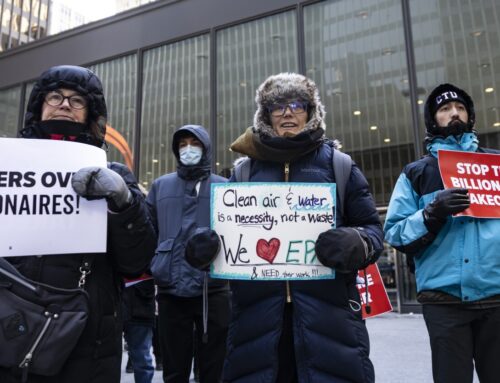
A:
(296, 107)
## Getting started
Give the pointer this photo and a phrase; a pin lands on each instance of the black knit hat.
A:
(441, 95)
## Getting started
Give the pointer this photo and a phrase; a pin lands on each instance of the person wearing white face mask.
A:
(187, 297)
(190, 151)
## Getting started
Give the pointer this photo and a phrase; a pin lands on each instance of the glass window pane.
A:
(119, 81)
(10, 100)
(246, 55)
(176, 92)
(355, 52)
(457, 41)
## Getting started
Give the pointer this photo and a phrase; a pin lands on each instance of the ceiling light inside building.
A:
(243, 84)
(373, 127)
(387, 140)
(420, 102)
(476, 33)
(357, 112)
(155, 161)
(489, 90)
(496, 124)
(484, 65)
(362, 14)
(387, 51)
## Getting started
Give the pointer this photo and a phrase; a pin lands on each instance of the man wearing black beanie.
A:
(457, 262)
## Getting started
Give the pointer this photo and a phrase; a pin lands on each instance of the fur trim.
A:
(282, 87)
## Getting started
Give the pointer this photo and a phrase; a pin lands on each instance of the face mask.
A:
(190, 155)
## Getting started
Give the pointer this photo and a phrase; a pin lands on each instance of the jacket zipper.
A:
(29, 356)
(288, 292)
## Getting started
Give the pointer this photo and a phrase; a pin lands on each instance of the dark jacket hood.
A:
(201, 170)
(79, 79)
(201, 134)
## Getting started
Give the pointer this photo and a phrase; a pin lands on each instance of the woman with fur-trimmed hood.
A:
(301, 331)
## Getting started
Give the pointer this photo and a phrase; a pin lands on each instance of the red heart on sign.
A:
(268, 250)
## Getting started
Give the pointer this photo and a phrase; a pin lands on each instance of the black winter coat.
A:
(131, 243)
(330, 338)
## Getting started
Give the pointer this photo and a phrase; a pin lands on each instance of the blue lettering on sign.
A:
(311, 203)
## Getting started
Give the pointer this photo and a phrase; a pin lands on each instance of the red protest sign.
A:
(377, 295)
(477, 172)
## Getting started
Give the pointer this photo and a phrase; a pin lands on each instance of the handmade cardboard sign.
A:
(376, 296)
(477, 172)
(268, 230)
(39, 211)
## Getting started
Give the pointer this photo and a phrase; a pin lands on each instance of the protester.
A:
(180, 202)
(457, 263)
(300, 331)
(67, 102)
(139, 321)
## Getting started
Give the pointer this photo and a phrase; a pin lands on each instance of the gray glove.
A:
(94, 182)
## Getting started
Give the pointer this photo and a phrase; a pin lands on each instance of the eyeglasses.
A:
(75, 101)
(278, 110)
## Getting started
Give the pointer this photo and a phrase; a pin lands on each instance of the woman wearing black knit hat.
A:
(67, 103)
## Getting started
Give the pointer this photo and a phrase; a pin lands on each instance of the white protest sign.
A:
(39, 211)
(268, 230)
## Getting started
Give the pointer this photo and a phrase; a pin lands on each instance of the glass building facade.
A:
(374, 61)
(22, 21)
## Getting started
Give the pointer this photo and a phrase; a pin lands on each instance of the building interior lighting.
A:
(155, 161)
(387, 140)
(357, 112)
(476, 33)
(362, 14)
(420, 102)
(496, 124)
(387, 51)
(373, 127)
(489, 90)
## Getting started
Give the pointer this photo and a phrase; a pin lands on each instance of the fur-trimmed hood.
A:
(283, 87)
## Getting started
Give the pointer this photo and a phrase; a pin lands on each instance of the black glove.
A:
(202, 248)
(94, 182)
(447, 202)
(345, 249)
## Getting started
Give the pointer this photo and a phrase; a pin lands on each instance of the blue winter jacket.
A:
(463, 259)
(331, 340)
(178, 210)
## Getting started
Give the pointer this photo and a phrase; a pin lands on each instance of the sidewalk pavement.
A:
(400, 350)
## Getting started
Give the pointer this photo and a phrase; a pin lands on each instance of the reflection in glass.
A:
(355, 52)
(176, 92)
(119, 81)
(457, 41)
(246, 55)
(9, 111)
